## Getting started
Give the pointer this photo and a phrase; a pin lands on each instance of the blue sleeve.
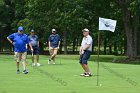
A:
(11, 36)
(27, 39)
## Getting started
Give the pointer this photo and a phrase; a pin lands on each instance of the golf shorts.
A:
(84, 57)
(53, 51)
(36, 50)
(20, 56)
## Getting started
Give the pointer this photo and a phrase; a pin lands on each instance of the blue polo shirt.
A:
(54, 40)
(33, 40)
(20, 41)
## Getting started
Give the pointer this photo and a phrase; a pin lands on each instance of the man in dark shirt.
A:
(54, 43)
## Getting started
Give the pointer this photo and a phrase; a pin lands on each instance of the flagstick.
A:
(98, 58)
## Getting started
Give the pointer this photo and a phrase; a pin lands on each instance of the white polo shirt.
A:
(87, 40)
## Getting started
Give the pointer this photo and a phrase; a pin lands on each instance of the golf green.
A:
(63, 77)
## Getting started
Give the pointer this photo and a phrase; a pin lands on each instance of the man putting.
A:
(20, 40)
(85, 52)
(35, 45)
(54, 43)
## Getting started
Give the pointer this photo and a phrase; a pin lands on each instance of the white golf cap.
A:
(32, 30)
(53, 30)
(85, 30)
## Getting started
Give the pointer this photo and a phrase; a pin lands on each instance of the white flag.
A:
(107, 24)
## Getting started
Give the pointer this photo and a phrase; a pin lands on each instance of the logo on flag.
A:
(107, 24)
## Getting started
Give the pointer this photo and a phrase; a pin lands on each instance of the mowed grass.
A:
(64, 76)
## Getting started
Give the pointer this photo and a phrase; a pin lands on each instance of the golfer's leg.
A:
(37, 55)
(82, 65)
(52, 57)
(16, 55)
(86, 68)
(80, 61)
(24, 60)
(32, 57)
(37, 58)
(51, 53)
(17, 64)
(54, 54)
(85, 58)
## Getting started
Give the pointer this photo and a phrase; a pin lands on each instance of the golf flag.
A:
(107, 24)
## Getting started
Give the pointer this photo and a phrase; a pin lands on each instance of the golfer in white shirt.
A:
(85, 52)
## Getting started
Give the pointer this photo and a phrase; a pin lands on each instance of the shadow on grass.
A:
(103, 58)
(115, 59)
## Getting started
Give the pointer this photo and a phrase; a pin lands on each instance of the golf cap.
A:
(85, 30)
(32, 30)
(20, 28)
(53, 30)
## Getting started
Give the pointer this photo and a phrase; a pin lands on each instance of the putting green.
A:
(64, 76)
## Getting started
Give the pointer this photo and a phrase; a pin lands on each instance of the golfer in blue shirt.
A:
(19, 40)
(35, 44)
(54, 43)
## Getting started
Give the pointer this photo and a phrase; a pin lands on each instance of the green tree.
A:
(130, 11)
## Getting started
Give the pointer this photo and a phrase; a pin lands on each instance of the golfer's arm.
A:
(38, 43)
(81, 48)
(49, 44)
(30, 46)
(26, 46)
(86, 47)
(59, 43)
(10, 40)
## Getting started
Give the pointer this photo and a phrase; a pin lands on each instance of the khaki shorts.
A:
(53, 51)
(20, 56)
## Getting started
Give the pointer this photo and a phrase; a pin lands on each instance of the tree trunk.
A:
(138, 35)
(65, 42)
(131, 35)
(110, 49)
(136, 22)
(115, 48)
(74, 45)
(105, 45)
(77, 44)
(130, 29)
(61, 47)
(0, 47)
(121, 47)
(41, 47)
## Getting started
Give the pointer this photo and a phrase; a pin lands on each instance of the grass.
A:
(64, 76)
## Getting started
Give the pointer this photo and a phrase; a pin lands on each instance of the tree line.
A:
(69, 17)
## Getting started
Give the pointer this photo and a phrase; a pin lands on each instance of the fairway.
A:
(64, 76)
